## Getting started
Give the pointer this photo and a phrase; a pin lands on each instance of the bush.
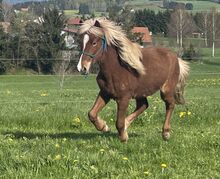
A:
(191, 53)
(189, 6)
(2, 68)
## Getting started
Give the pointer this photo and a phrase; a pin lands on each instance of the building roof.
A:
(146, 37)
(74, 21)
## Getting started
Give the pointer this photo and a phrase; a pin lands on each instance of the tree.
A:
(189, 6)
(3, 38)
(7, 11)
(181, 24)
(84, 8)
(156, 23)
(126, 19)
(203, 23)
(166, 4)
(33, 43)
(53, 23)
(45, 41)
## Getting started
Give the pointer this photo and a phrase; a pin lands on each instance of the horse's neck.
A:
(110, 64)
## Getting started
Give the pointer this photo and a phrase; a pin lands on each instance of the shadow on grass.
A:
(69, 135)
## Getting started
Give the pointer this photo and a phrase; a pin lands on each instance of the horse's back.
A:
(161, 64)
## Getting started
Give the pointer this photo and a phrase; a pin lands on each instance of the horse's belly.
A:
(147, 88)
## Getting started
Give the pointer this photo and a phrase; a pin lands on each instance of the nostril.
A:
(84, 71)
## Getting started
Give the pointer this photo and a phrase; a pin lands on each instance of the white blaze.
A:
(85, 41)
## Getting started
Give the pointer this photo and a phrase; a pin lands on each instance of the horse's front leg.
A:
(122, 106)
(101, 100)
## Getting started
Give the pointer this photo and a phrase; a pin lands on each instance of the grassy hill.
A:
(157, 5)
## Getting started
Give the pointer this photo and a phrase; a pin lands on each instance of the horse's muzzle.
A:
(84, 71)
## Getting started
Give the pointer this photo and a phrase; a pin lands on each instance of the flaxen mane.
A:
(129, 52)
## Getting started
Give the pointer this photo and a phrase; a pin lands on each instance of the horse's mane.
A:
(129, 52)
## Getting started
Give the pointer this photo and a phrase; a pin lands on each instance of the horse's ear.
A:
(97, 24)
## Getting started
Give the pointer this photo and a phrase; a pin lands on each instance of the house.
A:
(196, 35)
(142, 35)
(73, 24)
(6, 26)
(24, 9)
(74, 21)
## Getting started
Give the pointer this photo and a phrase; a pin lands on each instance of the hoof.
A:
(106, 128)
(123, 137)
(166, 135)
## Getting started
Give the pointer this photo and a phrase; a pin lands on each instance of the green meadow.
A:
(45, 132)
(157, 5)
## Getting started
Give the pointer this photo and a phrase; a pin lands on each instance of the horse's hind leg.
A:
(141, 105)
(122, 106)
(101, 101)
(167, 96)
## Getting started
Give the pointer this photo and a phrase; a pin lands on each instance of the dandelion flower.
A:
(57, 157)
(76, 120)
(182, 114)
(146, 173)
(43, 94)
(102, 150)
(57, 145)
(163, 165)
(189, 113)
(125, 158)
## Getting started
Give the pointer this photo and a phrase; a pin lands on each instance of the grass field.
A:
(156, 5)
(45, 133)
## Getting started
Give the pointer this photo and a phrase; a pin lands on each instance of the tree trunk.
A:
(213, 34)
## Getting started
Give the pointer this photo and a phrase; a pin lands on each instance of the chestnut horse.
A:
(128, 71)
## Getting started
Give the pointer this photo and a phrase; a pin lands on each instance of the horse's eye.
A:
(94, 44)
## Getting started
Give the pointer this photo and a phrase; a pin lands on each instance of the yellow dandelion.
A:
(163, 165)
(182, 114)
(102, 150)
(125, 158)
(76, 120)
(111, 119)
(57, 157)
(57, 145)
(189, 113)
(43, 94)
(146, 173)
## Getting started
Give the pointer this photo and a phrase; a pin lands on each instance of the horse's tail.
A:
(184, 72)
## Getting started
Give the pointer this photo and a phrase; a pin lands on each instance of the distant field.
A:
(156, 5)
(45, 132)
(203, 5)
(75, 13)
(71, 13)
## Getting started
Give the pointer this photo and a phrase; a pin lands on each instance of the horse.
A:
(127, 71)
